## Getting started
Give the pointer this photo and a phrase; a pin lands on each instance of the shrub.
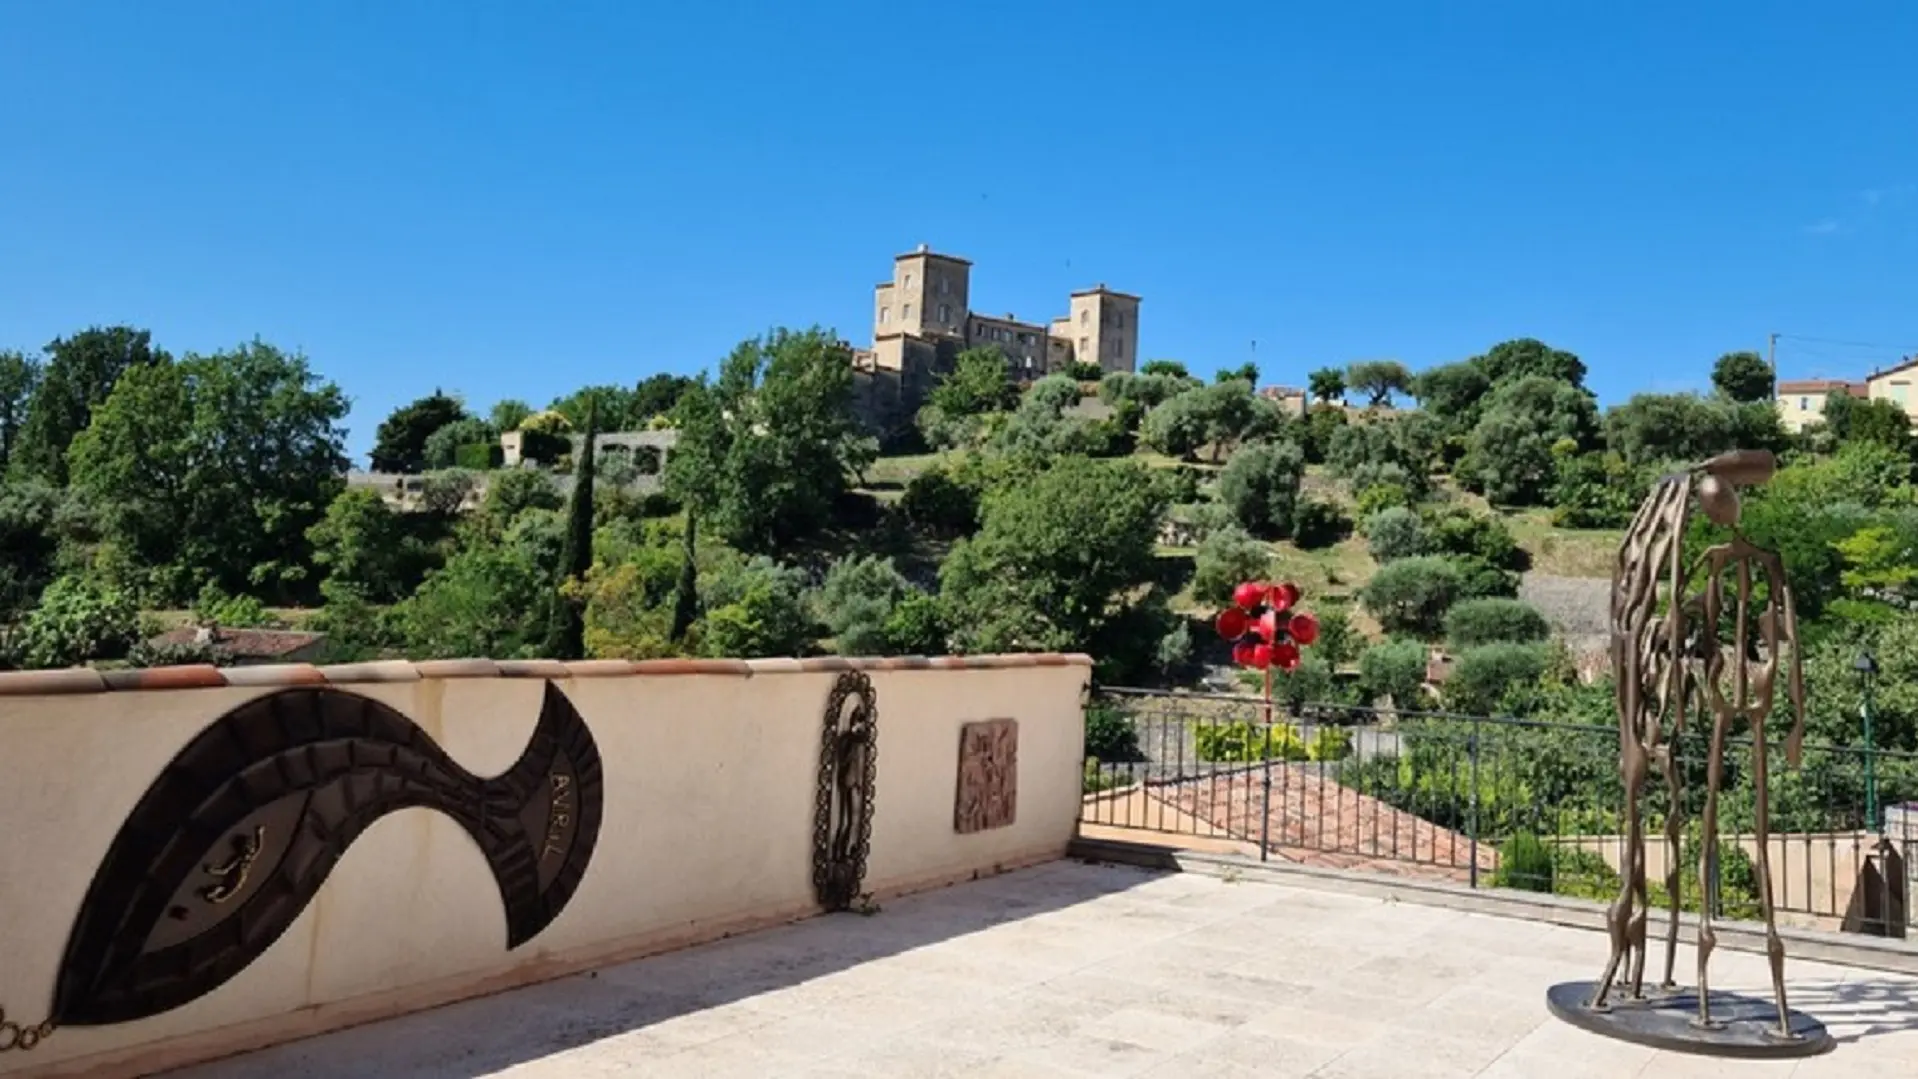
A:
(1261, 485)
(216, 607)
(1524, 862)
(1479, 579)
(1394, 533)
(937, 503)
(917, 626)
(1502, 677)
(1485, 621)
(1224, 559)
(1247, 742)
(1111, 736)
(1318, 523)
(78, 620)
(856, 600)
(1381, 496)
(479, 456)
(1412, 595)
(1458, 531)
(1337, 643)
(1329, 744)
(1395, 669)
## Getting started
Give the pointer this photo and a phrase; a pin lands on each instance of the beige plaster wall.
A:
(710, 782)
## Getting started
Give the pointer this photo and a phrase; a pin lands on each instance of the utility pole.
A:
(1771, 356)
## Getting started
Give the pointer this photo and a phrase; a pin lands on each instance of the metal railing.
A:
(1497, 802)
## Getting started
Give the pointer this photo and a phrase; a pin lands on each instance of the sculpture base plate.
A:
(1744, 1027)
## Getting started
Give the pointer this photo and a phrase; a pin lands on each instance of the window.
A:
(908, 280)
(1084, 344)
(945, 286)
(1804, 404)
(1898, 391)
(1085, 317)
(905, 312)
(885, 315)
(945, 312)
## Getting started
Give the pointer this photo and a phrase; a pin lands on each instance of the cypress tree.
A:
(686, 593)
(566, 633)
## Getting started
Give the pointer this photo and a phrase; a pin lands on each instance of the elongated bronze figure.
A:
(1717, 649)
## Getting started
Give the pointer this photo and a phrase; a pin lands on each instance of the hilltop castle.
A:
(923, 318)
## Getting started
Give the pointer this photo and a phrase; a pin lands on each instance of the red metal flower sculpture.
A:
(1265, 629)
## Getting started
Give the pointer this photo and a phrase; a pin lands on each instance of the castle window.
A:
(885, 315)
(1084, 344)
(905, 312)
(1085, 317)
(908, 280)
(945, 286)
(945, 311)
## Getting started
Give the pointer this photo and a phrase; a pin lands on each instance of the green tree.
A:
(1878, 560)
(1326, 385)
(1850, 419)
(1394, 533)
(857, 601)
(19, 377)
(442, 448)
(1412, 595)
(1378, 380)
(400, 443)
(566, 628)
(1395, 670)
(1654, 428)
(212, 469)
(1527, 357)
(755, 608)
(615, 408)
(1224, 559)
(1500, 677)
(516, 490)
(1453, 393)
(1509, 454)
(1744, 377)
(485, 601)
(1172, 368)
(29, 544)
(1473, 622)
(1058, 564)
(79, 620)
(1261, 487)
(1245, 372)
(80, 373)
(507, 415)
(657, 395)
(940, 505)
(765, 451)
(1223, 415)
(362, 544)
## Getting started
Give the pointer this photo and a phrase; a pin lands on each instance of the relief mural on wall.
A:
(242, 827)
(988, 776)
(848, 771)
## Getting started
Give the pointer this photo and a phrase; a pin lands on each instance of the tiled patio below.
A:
(1079, 970)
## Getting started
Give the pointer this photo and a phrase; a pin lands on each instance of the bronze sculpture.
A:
(1699, 639)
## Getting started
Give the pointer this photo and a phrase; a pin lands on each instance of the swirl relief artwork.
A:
(240, 830)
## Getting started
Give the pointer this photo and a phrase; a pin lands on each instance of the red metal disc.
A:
(1262, 656)
(1283, 596)
(1305, 628)
(1248, 595)
(1285, 655)
(1231, 623)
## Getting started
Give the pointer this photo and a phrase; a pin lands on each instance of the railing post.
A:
(1265, 795)
(1471, 750)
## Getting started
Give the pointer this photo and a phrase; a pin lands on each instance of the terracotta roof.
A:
(1821, 385)
(203, 676)
(1905, 364)
(1317, 821)
(242, 643)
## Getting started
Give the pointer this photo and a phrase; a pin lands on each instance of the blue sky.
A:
(515, 199)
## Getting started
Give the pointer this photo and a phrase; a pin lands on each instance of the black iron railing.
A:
(1497, 802)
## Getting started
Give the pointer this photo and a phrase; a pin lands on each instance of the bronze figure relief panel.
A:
(988, 794)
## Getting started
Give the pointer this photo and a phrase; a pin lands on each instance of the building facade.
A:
(1801, 403)
(923, 318)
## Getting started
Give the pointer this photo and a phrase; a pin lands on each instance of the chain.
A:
(14, 1036)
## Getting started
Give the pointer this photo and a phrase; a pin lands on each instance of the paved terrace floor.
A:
(1079, 970)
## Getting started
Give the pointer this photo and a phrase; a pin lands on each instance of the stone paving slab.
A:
(1071, 969)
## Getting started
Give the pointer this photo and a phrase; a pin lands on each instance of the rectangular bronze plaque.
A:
(988, 776)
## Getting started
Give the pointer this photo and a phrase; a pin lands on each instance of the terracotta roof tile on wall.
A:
(86, 680)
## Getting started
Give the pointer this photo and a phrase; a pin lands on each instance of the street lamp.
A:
(1867, 667)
